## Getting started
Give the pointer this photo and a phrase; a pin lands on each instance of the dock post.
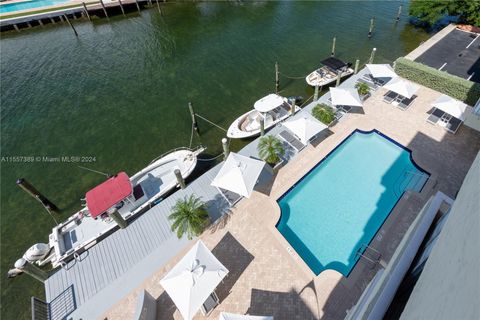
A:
(16, 28)
(372, 23)
(315, 95)
(104, 9)
(30, 269)
(277, 81)
(52, 20)
(71, 25)
(180, 180)
(138, 6)
(372, 55)
(333, 46)
(292, 107)
(399, 13)
(117, 217)
(339, 76)
(86, 11)
(121, 7)
(40, 22)
(28, 188)
(226, 151)
(150, 2)
(262, 127)
(159, 9)
(194, 120)
(357, 64)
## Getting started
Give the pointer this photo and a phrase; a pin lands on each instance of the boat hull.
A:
(315, 79)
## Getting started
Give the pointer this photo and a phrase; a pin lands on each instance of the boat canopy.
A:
(334, 63)
(269, 103)
(109, 193)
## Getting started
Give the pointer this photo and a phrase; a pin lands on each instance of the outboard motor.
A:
(36, 252)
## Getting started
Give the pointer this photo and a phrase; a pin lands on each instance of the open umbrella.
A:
(451, 106)
(402, 87)
(238, 174)
(345, 97)
(193, 279)
(305, 128)
(381, 71)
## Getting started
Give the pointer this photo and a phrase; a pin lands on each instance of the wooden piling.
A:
(292, 107)
(226, 150)
(28, 188)
(277, 80)
(16, 28)
(121, 7)
(104, 9)
(150, 2)
(40, 22)
(339, 77)
(71, 25)
(180, 180)
(333, 46)
(29, 24)
(194, 120)
(138, 6)
(370, 30)
(117, 217)
(357, 64)
(372, 55)
(86, 11)
(61, 19)
(315, 95)
(399, 13)
(262, 126)
(52, 20)
(31, 270)
(158, 6)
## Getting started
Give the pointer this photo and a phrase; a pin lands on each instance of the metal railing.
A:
(58, 309)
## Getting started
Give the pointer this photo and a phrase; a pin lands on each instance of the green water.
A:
(119, 93)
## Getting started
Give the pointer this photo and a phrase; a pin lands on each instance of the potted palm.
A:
(323, 113)
(363, 90)
(270, 149)
(189, 216)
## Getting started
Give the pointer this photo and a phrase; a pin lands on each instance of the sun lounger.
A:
(406, 102)
(210, 304)
(435, 116)
(231, 197)
(345, 109)
(291, 140)
(390, 96)
(376, 81)
(453, 125)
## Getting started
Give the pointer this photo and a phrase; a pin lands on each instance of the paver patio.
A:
(266, 276)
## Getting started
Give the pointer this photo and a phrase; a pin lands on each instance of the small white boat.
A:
(329, 71)
(272, 109)
(129, 196)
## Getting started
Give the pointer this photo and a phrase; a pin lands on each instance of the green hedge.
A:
(451, 85)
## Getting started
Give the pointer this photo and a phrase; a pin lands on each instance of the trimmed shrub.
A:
(453, 86)
(323, 113)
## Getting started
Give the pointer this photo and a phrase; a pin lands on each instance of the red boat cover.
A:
(106, 195)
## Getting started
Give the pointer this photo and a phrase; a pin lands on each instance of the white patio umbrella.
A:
(451, 106)
(231, 316)
(345, 97)
(402, 87)
(305, 128)
(193, 279)
(381, 71)
(238, 174)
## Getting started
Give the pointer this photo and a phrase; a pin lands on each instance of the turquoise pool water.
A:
(33, 4)
(344, 200)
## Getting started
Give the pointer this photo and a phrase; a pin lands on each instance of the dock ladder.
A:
(369, 254)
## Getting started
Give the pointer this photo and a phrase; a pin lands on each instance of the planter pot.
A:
(364, 97)
(273, 168)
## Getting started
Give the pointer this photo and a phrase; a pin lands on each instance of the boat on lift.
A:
(271, 108)
(329, 71)
(120, 195)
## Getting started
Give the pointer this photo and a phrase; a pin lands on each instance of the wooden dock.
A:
(119, 263)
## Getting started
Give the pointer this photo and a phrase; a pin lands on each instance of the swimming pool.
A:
(32, 4)
(344, 200)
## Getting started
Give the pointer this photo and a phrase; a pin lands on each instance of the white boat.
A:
(329, 71)
(129, 196)
(272, 109)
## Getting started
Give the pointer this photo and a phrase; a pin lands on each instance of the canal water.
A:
(116, 97)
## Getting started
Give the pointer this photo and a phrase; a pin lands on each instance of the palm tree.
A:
(270, 149)
(323, 113)
(189, 216)
(362, 88)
